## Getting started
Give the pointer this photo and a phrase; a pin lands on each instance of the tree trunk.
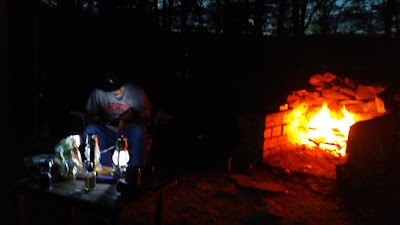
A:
(280, 30)
(184, 15)
(156, 14)
(303, 10)
(164, 16)
(7, 86)
(217, 17)
(388, 10)
(106, 7)
(227, 17)
(199, 19)
(324, 20)
(258, 16)
(296, 18)
(170, 15)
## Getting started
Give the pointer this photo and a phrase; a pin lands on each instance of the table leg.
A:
(72, 215)
(160, 209)
(21, 208)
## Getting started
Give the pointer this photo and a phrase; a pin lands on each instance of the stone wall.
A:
(279, 152)
(275, 138)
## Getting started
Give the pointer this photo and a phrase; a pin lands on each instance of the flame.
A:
(327, 130)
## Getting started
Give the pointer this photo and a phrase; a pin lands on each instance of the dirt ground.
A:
(264, 195)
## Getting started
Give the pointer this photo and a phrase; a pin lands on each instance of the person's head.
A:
(111, 80)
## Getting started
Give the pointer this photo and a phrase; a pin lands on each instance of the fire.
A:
(327, 130)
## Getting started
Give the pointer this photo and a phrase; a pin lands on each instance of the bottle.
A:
(90, 175)
(92, 151)
(133, 177)
(90, 178)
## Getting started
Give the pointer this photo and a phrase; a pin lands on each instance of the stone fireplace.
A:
(309, 132)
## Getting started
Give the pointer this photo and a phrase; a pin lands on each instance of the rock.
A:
(328, 77)
(316, 80)
(350, 82)
(319, 87)
(335, 87)
(329, 93)
(347, 91)
(296, 98)
(376, 89)
(229, 190)
(364, 92)
(373, 152)
(321, 186)
(369, 106)
(380, 105)
(274, 209)
(301, 92)
(246, 181)
(317, 101)
(315, 94)
(350, 102)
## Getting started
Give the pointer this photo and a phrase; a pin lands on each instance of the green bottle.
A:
(90, 178)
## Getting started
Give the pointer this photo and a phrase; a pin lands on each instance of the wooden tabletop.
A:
(104, 195)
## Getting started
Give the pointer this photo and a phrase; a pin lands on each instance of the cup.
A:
(133, 176)
(45, 177)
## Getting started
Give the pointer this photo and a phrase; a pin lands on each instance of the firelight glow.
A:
(120, 158)
(327, 130)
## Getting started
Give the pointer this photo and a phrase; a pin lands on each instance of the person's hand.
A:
(120, 125)
(124, 125)
(129, 115)
(113, 128)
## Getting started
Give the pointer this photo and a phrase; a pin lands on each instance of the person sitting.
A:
(119, 107)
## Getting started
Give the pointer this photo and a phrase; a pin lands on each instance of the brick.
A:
(266, 153)
(287, 117)
(286, 129)
(272, 142)
(278, 119)
(274, 119)
(267, 132)
(270, 120)
(276, 131)
(265, 145)
(283, 140)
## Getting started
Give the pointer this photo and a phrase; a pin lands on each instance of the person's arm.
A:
(100, 118)
(130, 117)
(141, 113)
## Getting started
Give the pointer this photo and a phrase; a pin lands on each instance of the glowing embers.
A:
(326, 130)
